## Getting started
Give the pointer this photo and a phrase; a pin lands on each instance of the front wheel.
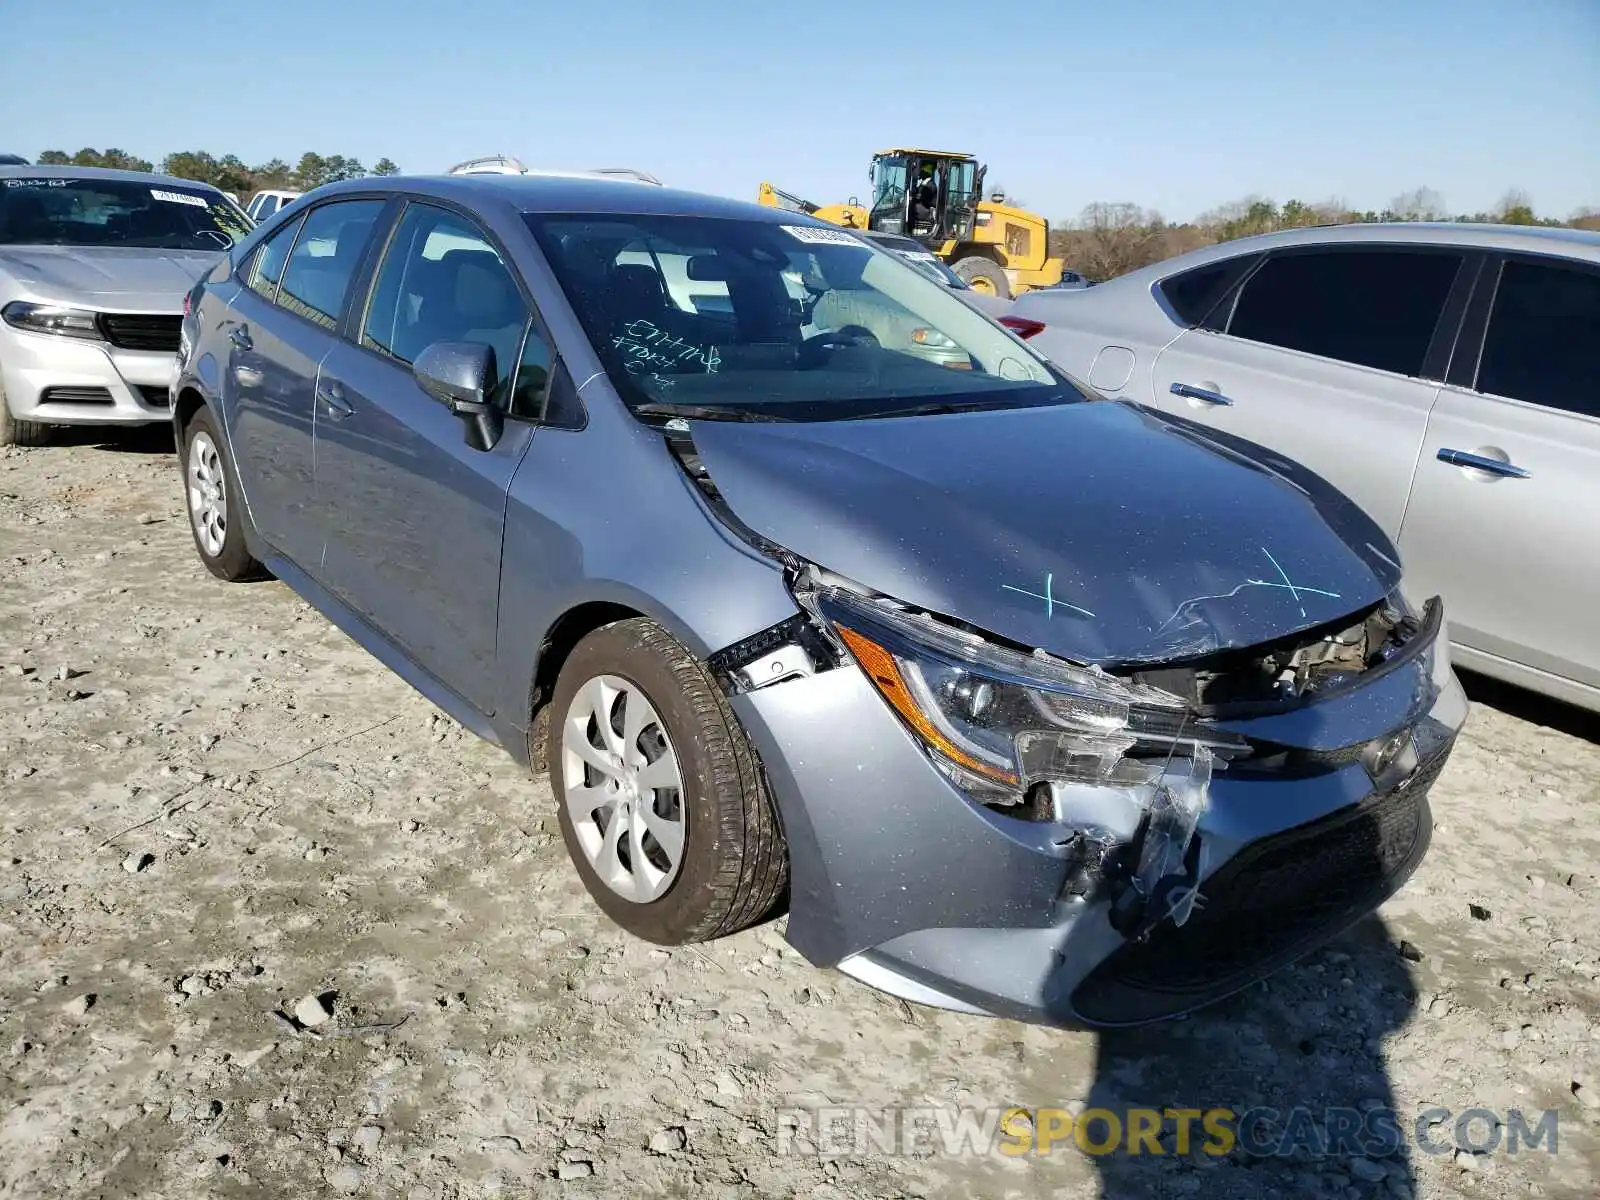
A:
(662, 803)
(17, 432)
(985, 276)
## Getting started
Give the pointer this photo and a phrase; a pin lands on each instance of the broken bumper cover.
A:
(899, 879)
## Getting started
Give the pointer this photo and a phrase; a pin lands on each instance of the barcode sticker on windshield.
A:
(179, 198)
(823, 237)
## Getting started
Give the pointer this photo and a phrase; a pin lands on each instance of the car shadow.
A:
(1298, 1060)
(1531, 706)
(129, 439)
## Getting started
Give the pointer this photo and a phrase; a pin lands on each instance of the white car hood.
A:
(106, 276)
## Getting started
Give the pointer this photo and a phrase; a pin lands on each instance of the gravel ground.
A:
(213, 805)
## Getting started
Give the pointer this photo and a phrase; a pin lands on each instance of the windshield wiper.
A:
(930, 409)
(703, 412)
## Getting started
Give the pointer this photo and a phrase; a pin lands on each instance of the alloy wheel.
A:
(624, 788)
(208, 494)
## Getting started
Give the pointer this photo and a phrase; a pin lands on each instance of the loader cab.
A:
(930, 195)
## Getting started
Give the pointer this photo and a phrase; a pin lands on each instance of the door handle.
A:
(1200, 393)
(240, 337)
(330, 394)
(1480, 462)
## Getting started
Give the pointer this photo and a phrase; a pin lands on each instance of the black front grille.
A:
(141, 331)
(1270, 904)
(155, 397)
(75, 395)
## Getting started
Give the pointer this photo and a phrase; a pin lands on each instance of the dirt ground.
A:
(213, 805)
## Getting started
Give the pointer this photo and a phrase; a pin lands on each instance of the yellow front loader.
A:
(936, 196)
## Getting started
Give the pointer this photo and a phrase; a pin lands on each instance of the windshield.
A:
(780, 321)
(53, 211)
(888, 194)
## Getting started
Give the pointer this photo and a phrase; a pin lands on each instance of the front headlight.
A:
(52, 318)
(998, 722)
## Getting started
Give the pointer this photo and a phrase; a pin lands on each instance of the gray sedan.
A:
(94, 265)
(1446, 377)
(1025, 703)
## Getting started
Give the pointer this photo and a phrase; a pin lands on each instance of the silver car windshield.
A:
(45, 210)
(788, 321)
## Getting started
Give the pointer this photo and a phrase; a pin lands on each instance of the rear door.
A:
(1324, 355)
(1503, 514)
(415, 516)
(270, 360)
(282, 326)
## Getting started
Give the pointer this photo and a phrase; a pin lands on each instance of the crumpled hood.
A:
(1101, 532)
(114, 277)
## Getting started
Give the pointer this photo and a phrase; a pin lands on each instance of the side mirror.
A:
(460, 375)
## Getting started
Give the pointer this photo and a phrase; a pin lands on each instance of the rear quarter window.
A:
(1195, 295)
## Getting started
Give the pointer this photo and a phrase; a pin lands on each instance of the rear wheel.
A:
(216, 510)
(661, 801)
(983, 275)
(17, 432)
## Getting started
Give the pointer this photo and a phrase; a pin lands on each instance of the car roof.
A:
(52, 172)
(925, 153)
(1449, 233)
(1532, 239)
(563, 194)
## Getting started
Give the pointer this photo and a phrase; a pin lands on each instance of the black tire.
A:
(233, 561)
(984, 275)
(16, 432)
(735, 862)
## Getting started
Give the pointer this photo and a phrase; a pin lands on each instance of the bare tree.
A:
(1587, 217)
(1113, 238)
(1335, 210)
(1419, 204)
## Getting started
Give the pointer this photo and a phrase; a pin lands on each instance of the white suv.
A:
(263, 204)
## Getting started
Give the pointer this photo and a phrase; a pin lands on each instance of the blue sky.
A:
(1178, 106)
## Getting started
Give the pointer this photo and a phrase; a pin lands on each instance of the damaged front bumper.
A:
(902, 880)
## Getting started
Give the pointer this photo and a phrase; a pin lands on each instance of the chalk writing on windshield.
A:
(649, 348)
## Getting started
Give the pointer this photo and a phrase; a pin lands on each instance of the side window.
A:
(1543, 342)
(325, 258)
(533, 375)
(1374, 308)
(266, 267)
(1193, 294)
(443, 281)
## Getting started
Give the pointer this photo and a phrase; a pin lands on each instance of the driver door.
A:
(415, 516)
(963, 189)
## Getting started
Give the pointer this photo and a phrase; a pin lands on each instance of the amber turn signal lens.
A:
(884, 672)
